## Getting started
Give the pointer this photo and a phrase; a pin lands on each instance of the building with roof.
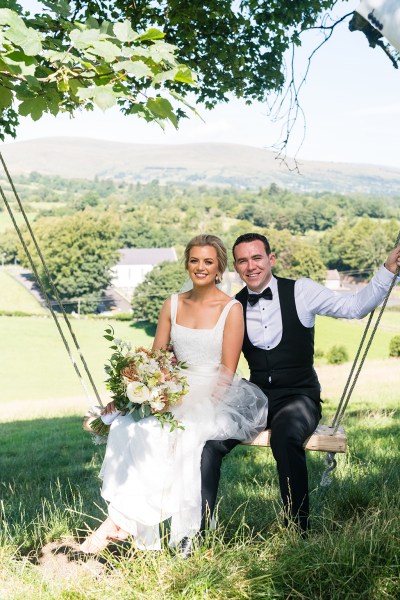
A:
(333, 280)
(135, 263)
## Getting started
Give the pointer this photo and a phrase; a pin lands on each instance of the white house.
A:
(135, 263)
(332, 280)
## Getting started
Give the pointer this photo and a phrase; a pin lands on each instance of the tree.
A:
(149, 296)
(9, 246)
(296, 258)
(362, 246)
(394, 346)
(50, 63)
(237, 47)
(79, 251)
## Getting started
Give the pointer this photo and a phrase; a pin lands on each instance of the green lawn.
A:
(35, 364)
(50, 492)
(5, 221)
(33, 346)
(333, 332)
(14, 297)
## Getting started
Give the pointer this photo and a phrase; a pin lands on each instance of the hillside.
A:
(201, 164)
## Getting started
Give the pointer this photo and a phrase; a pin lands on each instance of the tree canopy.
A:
(51, 63)
(236, 47)
(79, 252)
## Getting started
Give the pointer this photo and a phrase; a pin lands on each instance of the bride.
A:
(151, 474)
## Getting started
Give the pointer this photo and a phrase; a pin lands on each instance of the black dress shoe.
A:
(185, 548)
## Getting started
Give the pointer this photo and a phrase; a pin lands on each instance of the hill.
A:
(201, 164)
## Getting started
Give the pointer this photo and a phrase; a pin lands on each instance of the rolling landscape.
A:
(330, 216)
(197, 164)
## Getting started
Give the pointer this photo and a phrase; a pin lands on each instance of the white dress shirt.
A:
(264, 319)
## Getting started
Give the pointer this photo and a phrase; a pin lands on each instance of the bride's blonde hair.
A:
(207, 239)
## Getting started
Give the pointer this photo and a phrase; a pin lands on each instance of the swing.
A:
(326, 438)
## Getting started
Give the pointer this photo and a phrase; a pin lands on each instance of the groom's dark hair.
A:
(251, 237)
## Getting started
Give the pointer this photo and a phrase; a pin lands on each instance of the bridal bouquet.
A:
(142, 383)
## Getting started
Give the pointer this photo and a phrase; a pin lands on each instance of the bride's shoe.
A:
(99, 539)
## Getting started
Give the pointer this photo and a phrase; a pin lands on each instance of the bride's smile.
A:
(203, 264)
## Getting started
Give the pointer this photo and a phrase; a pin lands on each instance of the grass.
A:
(50, 491)
(5, 220)
(48, 373)
(34, 346)
(14, 297)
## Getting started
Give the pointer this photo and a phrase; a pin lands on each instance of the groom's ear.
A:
(272, 259)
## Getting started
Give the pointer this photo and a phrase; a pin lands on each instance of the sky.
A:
(351, 102)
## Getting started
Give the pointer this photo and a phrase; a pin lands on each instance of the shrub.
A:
(337, 355)
(394, 346)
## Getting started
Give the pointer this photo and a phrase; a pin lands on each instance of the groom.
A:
(279, 348)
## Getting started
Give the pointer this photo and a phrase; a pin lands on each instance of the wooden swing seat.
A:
(323, 439)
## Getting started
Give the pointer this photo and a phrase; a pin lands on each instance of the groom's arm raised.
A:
(163, 332)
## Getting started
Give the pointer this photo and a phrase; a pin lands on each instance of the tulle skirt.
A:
(151, 474)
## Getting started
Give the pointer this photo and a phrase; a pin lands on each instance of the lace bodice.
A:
(198, 347)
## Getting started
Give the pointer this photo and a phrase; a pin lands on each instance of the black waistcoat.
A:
(287, 369)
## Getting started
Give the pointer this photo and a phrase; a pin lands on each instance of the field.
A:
(14, 297)
(50, 489)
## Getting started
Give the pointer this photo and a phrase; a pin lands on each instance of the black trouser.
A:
(291, 424)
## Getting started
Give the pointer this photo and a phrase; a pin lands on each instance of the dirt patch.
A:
(63, 560)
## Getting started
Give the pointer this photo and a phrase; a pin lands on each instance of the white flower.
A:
(157, 404)
(153, 366)
(137, 392)
(173, 387)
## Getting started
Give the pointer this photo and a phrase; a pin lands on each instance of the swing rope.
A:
(330, 459)
(52, 285)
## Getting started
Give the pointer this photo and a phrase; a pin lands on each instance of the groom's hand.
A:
(392, 262)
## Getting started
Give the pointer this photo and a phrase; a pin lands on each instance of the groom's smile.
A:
(254, 265)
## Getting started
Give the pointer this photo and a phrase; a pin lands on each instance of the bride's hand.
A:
(110, 408)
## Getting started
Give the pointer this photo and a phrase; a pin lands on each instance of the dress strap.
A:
(224, 314)
(174, 307)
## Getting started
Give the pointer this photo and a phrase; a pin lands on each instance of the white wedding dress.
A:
(151, 474)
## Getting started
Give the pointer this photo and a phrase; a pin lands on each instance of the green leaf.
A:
(165, 76)
(21, 67)
(151, 34)
(6, 97)
(33, 82)
(61, 7)
(161, 107)
(19, 34)
(137, 68)
(34, 108)
(124, 32)
(63, 85)
(56, 56)
(161, 51)
(104, 97)
(84, 39)
(185, 75)
(104, 49)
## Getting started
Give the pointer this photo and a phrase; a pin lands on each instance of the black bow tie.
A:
(254, 298)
